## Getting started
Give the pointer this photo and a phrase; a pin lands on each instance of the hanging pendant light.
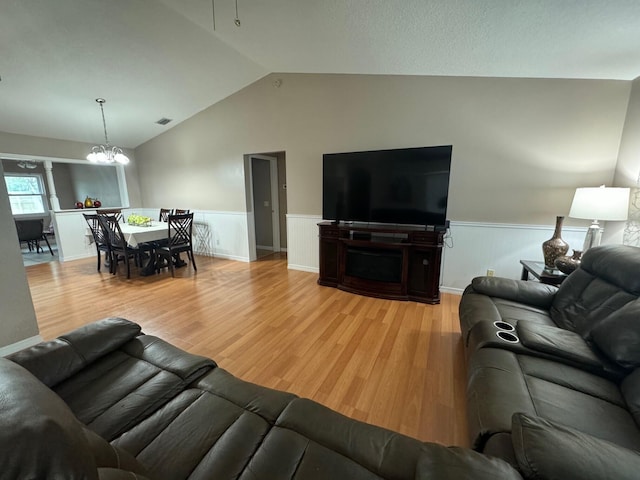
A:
(106, 153)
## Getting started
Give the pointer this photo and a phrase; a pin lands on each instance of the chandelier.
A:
(106, 153)
(29, 164)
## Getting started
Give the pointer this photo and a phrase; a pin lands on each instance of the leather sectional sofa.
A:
(108, 402)
(553, 373)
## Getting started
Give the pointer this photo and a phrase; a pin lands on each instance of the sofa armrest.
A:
(535, 294)
(545, 450)
(557, 342)
(56, 360)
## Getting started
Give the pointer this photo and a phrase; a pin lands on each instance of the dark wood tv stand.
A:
(398, 263)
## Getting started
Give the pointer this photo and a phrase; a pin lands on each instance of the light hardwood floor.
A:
(395, 364)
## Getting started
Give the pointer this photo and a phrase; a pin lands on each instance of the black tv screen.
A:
(401, 186)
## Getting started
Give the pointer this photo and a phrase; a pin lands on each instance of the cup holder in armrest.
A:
(507, 336)
(504, 326)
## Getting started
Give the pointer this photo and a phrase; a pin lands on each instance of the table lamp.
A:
(599, 203)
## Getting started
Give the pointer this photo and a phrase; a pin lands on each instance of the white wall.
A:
(520, 148)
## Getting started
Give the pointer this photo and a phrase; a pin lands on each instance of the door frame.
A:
(275, 204)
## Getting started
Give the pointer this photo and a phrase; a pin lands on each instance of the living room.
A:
(521, 146)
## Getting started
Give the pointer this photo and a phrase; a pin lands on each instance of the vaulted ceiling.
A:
(162, 58)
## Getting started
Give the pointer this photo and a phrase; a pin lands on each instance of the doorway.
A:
(266, 203)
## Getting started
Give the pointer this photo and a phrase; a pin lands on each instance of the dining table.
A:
(135, 235)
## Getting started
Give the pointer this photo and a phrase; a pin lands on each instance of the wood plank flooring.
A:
(395, 364)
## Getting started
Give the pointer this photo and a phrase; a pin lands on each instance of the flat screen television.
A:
(408, 186)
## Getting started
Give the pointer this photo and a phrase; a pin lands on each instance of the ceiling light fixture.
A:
(237, 20)
(106, 153)
(29, 164)
(213, 14)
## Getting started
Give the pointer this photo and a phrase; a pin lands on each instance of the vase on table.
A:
(568, 264)
(555, 247)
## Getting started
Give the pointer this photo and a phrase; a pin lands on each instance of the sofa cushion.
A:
(631, 391)
(54, 361)
(615, 264)
(502, 382)
(546, 450)
(604, 283)
(119, 390)
(217, 428)
(39, 436)
(618, 335)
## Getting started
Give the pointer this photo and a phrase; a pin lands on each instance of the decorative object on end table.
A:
(555, 247)
(567, 264)
(97, 203)
(88, 203)
(79, 204)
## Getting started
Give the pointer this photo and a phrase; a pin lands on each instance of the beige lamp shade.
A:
(600, 203)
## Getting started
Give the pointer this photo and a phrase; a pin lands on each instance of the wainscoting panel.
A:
(472, 248)
(302, 242)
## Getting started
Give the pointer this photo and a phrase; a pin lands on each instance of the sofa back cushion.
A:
(606, 281)
(618, 335)
(56, 360)
(39, 436)
(631, 392)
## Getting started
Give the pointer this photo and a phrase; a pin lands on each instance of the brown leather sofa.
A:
(108, 402)
(553, 377)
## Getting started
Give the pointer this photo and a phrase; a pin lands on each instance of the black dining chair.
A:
(164, 214)
(99, 238)
(31, 232)
(112, 211)
(179, 211)
(179, 239)
(120, 249)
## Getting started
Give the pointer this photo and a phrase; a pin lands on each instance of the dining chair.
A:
(31, 232)
(99, 238)
(112, 211)
(120, 249)
(164, 214)
(179, 239)
(179, 211)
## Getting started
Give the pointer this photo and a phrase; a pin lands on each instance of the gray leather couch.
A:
(553, 377)
(108, 402)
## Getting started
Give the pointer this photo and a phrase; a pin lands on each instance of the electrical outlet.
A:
(490, 272)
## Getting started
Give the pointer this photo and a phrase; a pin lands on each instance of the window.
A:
(26, 193)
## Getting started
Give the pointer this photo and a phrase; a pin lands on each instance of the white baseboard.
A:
(228, 257)
(22, 344)
(264, 247)
(454, 291)
(303, 268)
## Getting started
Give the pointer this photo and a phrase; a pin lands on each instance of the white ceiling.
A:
(161, 58)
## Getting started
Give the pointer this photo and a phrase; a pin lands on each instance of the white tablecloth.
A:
(135, 235)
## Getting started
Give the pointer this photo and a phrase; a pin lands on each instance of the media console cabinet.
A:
(398, 263)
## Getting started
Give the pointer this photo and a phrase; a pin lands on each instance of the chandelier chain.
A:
(104, 123)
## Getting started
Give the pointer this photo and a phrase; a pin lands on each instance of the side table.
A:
(550, 276)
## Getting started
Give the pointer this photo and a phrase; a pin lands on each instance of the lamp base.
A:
(594, 235)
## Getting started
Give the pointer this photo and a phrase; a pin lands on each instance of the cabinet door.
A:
(328, 262)
(424, 275)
